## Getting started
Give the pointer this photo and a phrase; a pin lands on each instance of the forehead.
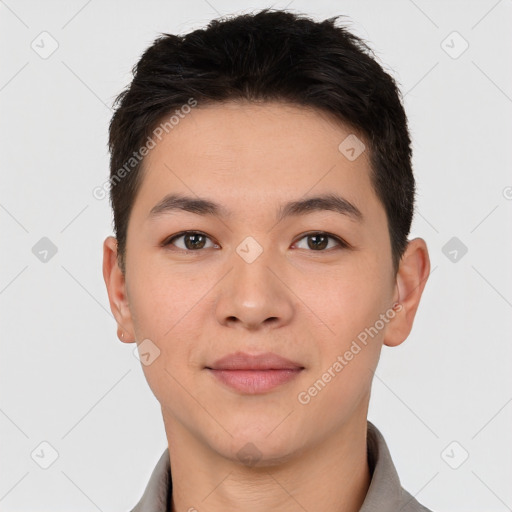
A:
(267, 152)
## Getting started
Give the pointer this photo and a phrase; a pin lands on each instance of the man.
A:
(262, 192)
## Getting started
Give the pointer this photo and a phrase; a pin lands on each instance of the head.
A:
(285, 147)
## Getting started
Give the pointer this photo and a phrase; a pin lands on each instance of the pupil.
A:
(316, 244)
(195, 240)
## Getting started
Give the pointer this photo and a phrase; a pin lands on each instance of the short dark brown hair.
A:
(271, 55)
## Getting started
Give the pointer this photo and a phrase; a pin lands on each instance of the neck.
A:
(332, 476)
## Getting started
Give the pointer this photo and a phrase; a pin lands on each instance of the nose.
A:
(254, 295)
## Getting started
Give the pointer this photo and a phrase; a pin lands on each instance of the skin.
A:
(303, 303)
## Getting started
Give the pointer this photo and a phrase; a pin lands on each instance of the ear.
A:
(411, 279)
(116, 289)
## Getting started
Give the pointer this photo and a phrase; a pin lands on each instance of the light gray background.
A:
(65, 377)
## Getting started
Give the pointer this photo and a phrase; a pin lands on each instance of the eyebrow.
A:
(325, 202)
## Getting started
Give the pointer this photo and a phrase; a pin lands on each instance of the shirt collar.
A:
(385, 493)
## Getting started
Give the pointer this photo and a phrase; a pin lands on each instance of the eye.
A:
(319, 241)
(191, 241)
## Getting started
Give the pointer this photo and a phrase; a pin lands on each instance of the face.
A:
(312, 284)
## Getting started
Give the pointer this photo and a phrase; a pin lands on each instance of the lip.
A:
(243, 361)
(253, 374)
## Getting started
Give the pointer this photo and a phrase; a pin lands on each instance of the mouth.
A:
(254, 374)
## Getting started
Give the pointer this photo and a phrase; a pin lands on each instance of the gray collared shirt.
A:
(385, 493)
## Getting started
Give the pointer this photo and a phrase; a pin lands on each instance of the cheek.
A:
(348, 352)
(350, 304)
(162, 311)
(348, 298)
(165, 304)
(162, 299)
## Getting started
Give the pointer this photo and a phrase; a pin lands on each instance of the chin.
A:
(253, 445)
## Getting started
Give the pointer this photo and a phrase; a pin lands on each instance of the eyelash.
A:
(341, 243)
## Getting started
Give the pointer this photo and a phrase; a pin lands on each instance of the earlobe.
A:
(411, 279)
(121, 336)
(116, 289)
